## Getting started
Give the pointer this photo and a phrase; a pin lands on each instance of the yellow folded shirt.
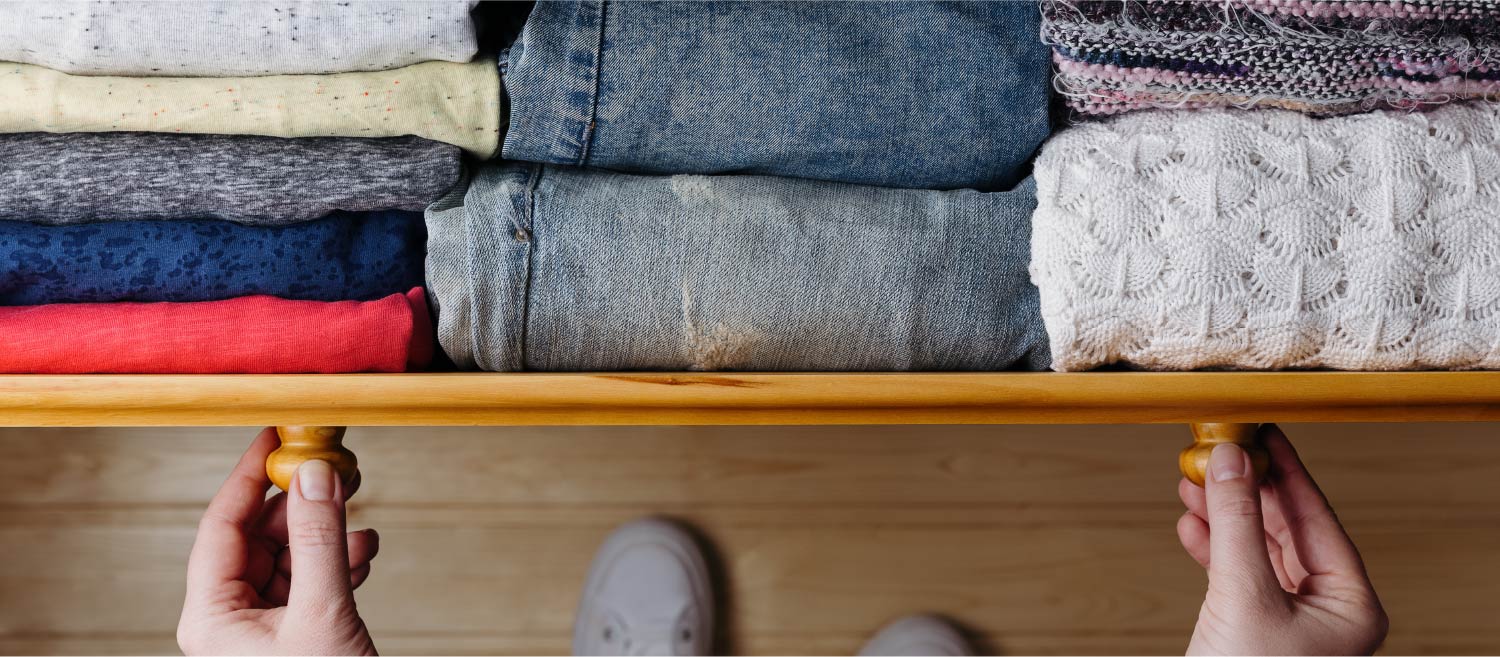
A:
(443, 101)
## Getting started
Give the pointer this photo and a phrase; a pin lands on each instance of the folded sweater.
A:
(84, 177)
(454, 103)
(247, 335)
(1267, 239)
(228, 38)
(343, 256)
(563, 269)
(1316, 57)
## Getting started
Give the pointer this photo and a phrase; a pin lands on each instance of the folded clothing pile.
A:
(1280, 184)
(561, 269)
(1201, 237)
(230, 186)
(696, 200)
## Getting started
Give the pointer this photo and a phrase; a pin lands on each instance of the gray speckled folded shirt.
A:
(220, 39)
(84, 177)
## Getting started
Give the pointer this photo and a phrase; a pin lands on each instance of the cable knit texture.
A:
(1268, 240)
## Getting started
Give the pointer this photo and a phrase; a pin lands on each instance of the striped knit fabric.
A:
(1317, 57)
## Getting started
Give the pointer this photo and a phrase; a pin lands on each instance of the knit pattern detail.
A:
(1270, 240)
(1323, 58)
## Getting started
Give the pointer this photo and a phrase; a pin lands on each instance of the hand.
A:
(1289, 582)
(276, 576)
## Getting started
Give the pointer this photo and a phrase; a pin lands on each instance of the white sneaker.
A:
(917, 635)
(647, 594)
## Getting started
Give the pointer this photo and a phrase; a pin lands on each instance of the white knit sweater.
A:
(1179, 240)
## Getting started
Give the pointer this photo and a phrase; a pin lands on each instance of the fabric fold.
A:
(457, 104)
(343, 256)
(923, 95)
(246, 335)
(1268, 240)
(86, 177)
(233, 38)
(559, 269)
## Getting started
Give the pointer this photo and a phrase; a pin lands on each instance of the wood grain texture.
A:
(746, 398)
(1047, 540)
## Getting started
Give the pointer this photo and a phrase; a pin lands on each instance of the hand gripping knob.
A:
(301, 444)
(1193, 461)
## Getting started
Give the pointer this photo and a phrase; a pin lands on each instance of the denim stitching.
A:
(528, 203)
(587, 137)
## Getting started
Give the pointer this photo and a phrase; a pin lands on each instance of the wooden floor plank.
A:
(1079, 467)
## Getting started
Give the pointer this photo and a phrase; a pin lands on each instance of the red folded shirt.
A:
(249, 335)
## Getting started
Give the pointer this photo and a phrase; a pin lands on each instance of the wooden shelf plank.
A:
(747, 398)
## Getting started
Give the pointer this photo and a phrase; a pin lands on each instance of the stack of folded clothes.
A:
(1287, 185)
(236, 186)
(753, 186)
(229, 186)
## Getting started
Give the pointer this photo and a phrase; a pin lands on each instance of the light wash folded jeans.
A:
(923, 95)
(559, 269)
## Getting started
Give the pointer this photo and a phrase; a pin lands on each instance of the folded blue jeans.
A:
(550, 268)
(346, 255)
(923, 95)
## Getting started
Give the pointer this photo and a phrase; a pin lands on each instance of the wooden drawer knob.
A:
(301, 444)
(1193, 461)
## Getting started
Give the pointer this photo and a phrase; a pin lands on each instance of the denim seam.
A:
(476, 334)
(523, 296)
(502, 64)
(552, 77)
(586, 136)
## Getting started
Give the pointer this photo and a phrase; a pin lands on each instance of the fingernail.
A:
(315, 478)
(1227, 462)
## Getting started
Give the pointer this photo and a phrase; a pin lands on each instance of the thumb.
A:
(1238, 564)
(315, 537)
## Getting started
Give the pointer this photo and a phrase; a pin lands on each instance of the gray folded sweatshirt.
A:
(240, 38)
(83, 177)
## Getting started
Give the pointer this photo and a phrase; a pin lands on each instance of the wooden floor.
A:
(1038, 539)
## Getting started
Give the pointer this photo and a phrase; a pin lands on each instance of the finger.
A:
(1278, 564)
(1323, 548)
(1193, 533)
(1193, 497)
(363, 546)
(273, 520)
(277, 589)
(1238, 563)
(272, 524)
(359, 575)
(320, 588)
(1278, 532)
(220, 551)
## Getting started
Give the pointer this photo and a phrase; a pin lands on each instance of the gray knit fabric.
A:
(83, 177)
(221, 39)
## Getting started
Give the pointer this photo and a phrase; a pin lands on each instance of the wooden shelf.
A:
(743, 398)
